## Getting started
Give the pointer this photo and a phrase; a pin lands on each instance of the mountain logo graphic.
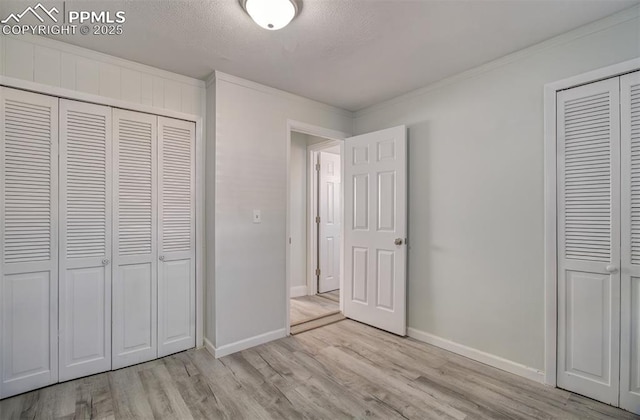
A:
(34, 11)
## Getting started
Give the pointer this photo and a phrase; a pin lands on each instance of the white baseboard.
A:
(297, 291)
(477, 355)
(244, 344)
(209, 346)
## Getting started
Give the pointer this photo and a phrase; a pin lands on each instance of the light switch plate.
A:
(257, 216)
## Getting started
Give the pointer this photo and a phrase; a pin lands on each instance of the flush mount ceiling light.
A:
(271, 14)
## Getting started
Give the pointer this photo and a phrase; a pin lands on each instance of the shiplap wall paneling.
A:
(135, 238)
(589, 240)
(62, 65)
(176, 231)
(29, 251)
(85, 239)
(630, 281)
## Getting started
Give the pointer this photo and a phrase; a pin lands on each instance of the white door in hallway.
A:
(375, 229)
(85, 239)
(630, 280)
(588, 125)
(330, 225)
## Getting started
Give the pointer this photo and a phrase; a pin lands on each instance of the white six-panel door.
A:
(176, 235)
(135, 278)
(330, 224)
(375, 229)
(29, 248)
(630, 273)
(85, 239)
(589, 240)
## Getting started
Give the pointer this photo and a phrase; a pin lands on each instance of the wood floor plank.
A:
(198, 397)
(333, 295)
(317, 323)
(343, 370)
(128, 393)
(265, 392)
(164, 398)
(306, 308)
(230, 396)
(360, 404)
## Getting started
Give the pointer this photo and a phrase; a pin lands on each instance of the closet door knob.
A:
(161, 257)
(611, 268)
(398, 241)
(105, 261)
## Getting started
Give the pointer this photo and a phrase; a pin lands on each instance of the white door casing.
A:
(135, 280)
(589, 240)
(176, 236)
(630, 272)
(330, 224)
(85, 239)
(29, 248)
(375, 229)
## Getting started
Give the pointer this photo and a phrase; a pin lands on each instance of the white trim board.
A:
(55, 63)
(298, 291)
(550, 200)
(580, 32)
(244, 344)
(209, 346)
(95, 99)
(200, 167)
(104, 58)
(478, 355)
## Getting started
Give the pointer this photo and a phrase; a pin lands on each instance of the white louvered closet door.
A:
(630, 191)
(85, 239)
(176, 236)
(135, 276)
(28, 252)
(589, 240)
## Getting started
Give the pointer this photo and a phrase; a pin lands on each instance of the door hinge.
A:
(318, 167)
(318, 219)
(318, 272)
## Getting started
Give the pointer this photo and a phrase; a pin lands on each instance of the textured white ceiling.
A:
(348, 53)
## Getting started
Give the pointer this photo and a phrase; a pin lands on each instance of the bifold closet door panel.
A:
(85, 239)
(176, 231)
(135, 277)
(29, 248)
(630, 296)
(588, 151)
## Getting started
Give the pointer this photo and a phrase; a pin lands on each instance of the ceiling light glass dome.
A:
(271, 14)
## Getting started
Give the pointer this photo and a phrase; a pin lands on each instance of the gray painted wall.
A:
(476, 193)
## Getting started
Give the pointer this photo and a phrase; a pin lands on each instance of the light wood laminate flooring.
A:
(344, 370)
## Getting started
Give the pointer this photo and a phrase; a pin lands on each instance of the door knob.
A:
(398, 241)
(611, 268)
(105, 261)
(161, 257)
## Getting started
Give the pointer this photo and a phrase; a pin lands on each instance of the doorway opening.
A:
(315, 231)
